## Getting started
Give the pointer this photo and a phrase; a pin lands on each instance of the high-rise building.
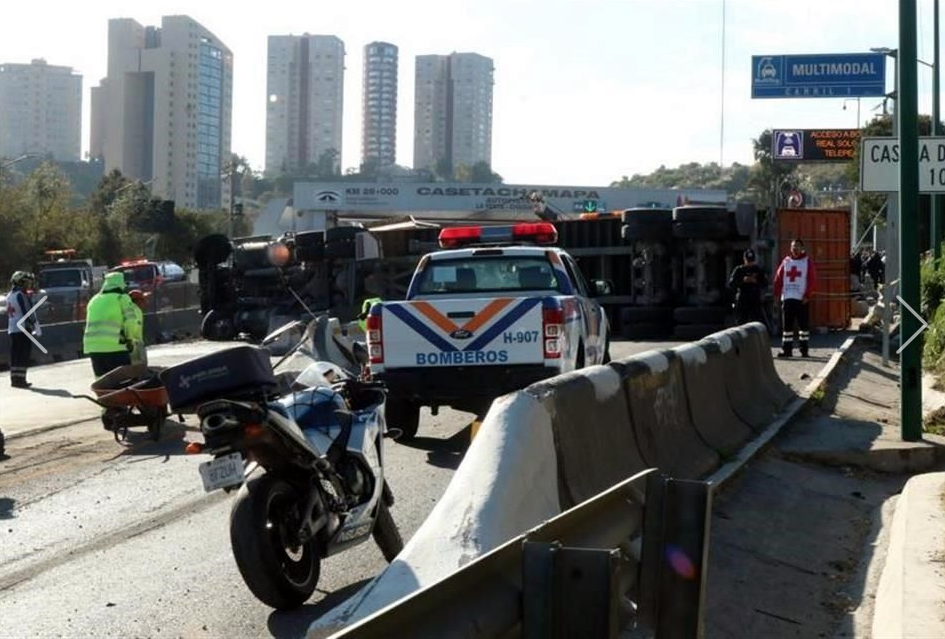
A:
(379, 105)
(164, 112)
(452, 110)
(305, 103)
(40, 111)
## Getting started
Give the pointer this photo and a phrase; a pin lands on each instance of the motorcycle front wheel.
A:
(386, 534)
(278, 570)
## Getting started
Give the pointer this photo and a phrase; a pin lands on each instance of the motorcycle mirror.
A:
(279, 332)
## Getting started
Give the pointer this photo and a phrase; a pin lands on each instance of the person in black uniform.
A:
(748, 282)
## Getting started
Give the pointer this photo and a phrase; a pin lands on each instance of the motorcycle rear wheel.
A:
(279, 572)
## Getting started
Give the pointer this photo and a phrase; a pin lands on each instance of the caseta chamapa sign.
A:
(374, 197)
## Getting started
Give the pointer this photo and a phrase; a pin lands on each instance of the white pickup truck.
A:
(496, 311)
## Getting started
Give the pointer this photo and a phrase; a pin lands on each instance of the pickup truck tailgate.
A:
(463, 332)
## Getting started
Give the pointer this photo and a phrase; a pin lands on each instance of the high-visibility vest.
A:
(365, 308)
(109, 321)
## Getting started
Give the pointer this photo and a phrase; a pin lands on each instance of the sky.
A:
(585, 91)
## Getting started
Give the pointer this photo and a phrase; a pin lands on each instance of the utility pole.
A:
(232, 179)
(938, 202)
(907, 114)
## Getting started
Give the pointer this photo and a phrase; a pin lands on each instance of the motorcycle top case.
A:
(235, 373)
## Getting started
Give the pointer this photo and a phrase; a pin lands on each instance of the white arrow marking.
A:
(19, 325)
(925, 324)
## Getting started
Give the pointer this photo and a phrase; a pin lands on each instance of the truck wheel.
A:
(701, 230)
(217, 327)
(405, 416)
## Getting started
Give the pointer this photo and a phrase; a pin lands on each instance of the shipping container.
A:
(826, 234)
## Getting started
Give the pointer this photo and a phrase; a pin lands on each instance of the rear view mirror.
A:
(602, 288)
(282, 330)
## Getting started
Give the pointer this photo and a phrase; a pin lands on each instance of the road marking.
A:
(19, 325)
(924, 326)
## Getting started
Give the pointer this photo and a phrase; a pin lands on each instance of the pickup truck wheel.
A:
(403, 415)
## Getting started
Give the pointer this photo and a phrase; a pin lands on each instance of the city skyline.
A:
(304, 101)
(163, 112)
(379, 104)
(573, 102)
(40, 110)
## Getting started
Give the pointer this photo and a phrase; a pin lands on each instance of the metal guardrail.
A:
(635, 554)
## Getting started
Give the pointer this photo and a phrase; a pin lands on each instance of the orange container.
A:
(826, 233)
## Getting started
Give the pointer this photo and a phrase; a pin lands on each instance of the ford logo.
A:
(461, 333)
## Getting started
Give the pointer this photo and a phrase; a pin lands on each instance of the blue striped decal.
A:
(417, 325)
(507, 320)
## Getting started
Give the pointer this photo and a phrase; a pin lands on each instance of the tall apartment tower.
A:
(164, 111)
(452, 110)
(379, 105)
(40, 111)
(305, 101)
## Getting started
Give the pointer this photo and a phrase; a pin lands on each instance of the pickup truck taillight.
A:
(375, 336)
(552, 320)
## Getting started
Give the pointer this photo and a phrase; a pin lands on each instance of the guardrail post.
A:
(675, 557)
(568, 593)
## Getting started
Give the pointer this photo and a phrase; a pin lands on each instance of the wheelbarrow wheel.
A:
(114, 420)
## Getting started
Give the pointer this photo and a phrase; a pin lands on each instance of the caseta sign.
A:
(373, 197)
(879, 165)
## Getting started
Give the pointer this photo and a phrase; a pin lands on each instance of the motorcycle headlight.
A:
(279, 254)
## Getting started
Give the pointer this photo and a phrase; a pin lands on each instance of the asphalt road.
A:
(99, 539)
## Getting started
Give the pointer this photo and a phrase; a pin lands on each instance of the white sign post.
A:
(879, 165)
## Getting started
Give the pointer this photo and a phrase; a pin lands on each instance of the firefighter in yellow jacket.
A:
(110, 326)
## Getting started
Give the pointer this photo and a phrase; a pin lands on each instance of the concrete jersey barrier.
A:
(565, 439)
(507, 483)
(64, 340)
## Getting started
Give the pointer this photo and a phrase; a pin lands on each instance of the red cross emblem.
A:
(793, 274)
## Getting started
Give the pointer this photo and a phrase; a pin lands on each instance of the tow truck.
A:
(500, 307)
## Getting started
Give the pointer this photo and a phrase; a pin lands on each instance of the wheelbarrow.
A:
(131, 396)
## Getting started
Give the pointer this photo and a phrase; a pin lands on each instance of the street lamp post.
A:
(15, 161)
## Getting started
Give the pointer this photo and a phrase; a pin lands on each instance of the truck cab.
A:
(498, 309)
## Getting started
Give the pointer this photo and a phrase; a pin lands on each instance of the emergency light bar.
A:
(533, 232)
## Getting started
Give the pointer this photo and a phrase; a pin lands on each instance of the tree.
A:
(107, 190)
(327, 166)
(443, 170)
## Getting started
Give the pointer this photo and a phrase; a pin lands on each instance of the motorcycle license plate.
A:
(222, 472)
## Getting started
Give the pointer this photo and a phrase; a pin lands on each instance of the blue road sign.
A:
(840, 75)
(788, 145)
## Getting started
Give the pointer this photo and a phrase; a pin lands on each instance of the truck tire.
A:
(217, 327)
(212, 250)
(653, 216)
(403, 415)
(700, 315)
(701, 230)
(692, 332)
(386, 534)
(647, 231)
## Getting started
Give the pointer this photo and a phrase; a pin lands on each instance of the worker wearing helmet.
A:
(110, 325)
(139, 355)
(19, 304)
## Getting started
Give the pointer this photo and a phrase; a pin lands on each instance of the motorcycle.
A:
(305, 451)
